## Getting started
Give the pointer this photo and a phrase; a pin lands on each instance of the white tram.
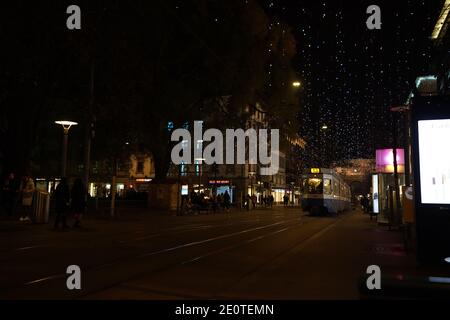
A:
(324, 191)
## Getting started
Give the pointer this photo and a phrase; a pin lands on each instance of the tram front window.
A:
(313, 186)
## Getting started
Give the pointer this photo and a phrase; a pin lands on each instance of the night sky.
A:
(352, 75)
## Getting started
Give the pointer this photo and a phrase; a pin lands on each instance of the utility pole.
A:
(89, 130)
(395, 112)
(113, 189)
(396, 184)
(178, 190)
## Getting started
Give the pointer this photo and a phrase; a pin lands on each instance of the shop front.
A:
(220, 187)
(383, 197)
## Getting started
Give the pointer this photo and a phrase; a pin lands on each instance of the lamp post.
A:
(322, 135)
(200, 169)
(66, 126)
(252, 175)
(395, 112)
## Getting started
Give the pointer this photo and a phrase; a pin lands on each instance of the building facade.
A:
(239, 180)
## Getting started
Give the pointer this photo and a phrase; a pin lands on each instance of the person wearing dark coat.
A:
(78, 202)
(226, 200)
(10, 194)
(62, 198)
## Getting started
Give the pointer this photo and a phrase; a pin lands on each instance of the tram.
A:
(324, 192)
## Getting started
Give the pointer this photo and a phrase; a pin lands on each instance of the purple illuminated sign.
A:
(385, 160)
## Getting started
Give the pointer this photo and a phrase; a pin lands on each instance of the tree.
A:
(154, 63)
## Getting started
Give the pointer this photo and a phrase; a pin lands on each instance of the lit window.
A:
(197, 168)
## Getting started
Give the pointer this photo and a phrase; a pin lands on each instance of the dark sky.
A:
(352, 75)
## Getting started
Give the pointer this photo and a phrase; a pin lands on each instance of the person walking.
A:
(248, 200)
(286, 200)
(27, 197)
(220, 201)
(226, 200)
(78, 203)
(62, 198)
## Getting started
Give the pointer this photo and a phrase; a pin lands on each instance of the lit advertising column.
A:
(431, 159)
(375, 194)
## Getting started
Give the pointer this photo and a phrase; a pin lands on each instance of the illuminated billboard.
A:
(434, 161)
(385, 161)
(375, 194)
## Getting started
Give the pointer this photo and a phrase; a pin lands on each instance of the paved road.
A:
(265, 254)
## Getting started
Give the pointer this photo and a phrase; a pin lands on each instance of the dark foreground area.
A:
(278, 253)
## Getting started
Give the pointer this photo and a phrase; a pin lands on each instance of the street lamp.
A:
(200, 169)
(296, 84)
(66, 126)
(322, 130)
(395, 112)
(251, 175)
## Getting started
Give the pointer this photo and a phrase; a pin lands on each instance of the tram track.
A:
(202, 250)
(218, 251)
(124, 260)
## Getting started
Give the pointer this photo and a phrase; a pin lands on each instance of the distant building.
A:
(239, 179)
(357, 174)
(133, 175)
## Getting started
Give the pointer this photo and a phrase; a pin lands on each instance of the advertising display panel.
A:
(434, 161)
(430, 123)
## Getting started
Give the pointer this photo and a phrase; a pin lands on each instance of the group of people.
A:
(252, 201)
(18, 191)
(268, 201)
(366, 204)
(199, 201)
(17, 196)
(72, 200)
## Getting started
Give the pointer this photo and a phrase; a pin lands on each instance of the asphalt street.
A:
(278, 253)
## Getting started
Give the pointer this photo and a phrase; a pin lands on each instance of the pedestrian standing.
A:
(286, 200)
(226, 200)
(220, 201)
(77, 203)
(62, 198)
(27, 197)
(10, 194)
(248, 200)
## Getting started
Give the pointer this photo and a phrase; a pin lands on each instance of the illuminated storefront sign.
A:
(315, 170)
(143, 180)
(434, 160)
(385, 161)
(219, 181)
